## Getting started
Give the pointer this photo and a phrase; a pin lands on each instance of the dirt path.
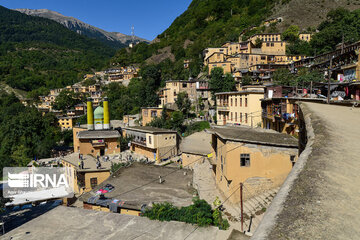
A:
(324, 202)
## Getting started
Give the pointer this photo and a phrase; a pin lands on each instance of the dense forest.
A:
(37, 52)
(24, 132)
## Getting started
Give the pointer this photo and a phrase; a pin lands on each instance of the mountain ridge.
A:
(113, 39)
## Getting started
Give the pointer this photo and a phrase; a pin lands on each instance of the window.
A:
(231, 116)
(149, 139)
(231, 102)
(236, 117)
(145, 112)
(222, 164)
(246, 117)
(292, 159)
(244, 160)
(245, 102)
(93, 182)
(235, 102)
(240, 117)
(153, 114)
(240, 102)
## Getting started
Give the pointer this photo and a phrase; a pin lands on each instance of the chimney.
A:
(106, 113)
(90, 115)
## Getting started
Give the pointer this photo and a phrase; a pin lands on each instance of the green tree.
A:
(258, 43)
(183, 103)
(246, 80)
(220, 82)
(67, 100)
(283, 77)
(291, 34)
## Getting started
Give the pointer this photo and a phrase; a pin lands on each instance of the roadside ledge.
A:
(270, 219)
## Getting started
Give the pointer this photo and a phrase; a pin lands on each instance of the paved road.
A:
(324, 202)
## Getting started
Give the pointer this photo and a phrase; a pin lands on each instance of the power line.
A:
(191, 233)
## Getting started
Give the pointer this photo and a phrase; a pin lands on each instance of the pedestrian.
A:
(82, 164)
(79, 165)
(79, 156)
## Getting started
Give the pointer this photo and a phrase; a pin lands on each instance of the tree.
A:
(246, 80)
(305, 77)
(89, 82)
(291, 34)
(283, 77)
(67, 100)
(258, 43)
(220, 83)
(183, 103)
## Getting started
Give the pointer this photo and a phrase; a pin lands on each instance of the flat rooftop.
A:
(258, 91)
(89, 162)
(255, 136)
(320, 198)
(139, 184)
(96, 134)
(76, 223)
(149, 129)
(197, 143)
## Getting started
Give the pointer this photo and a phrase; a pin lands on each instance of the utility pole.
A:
(329, 77)
(242, 207)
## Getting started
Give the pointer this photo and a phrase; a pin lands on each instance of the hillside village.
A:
(215, 151)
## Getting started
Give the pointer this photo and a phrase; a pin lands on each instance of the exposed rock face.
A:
(113, 39)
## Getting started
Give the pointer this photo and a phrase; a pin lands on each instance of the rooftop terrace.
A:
(139, 184)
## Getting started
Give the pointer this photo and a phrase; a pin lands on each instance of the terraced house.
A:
(240, 108)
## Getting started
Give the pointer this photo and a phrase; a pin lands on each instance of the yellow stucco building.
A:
(168, 94)
(240, 108)
(150, 113)
(153, 143)
(260, 159)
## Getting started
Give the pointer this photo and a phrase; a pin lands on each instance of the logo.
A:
(38, 183)
(23, 180)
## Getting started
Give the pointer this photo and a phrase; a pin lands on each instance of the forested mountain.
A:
(40, 53)
(112, 39)
(24, 132)
(210, 23)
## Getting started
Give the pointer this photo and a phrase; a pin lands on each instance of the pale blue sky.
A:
(149, 17)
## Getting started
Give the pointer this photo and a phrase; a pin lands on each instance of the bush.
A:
(196, 127)
(199, 213)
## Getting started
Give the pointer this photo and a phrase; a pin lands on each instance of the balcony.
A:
(223, 108)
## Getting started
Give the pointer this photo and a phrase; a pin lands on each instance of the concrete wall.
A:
(111, 147)
(142, 150)
(101, 176)
(269, 167)
(76, 141)
(147, 115)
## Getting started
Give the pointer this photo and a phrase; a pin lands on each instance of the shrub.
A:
(199, 213)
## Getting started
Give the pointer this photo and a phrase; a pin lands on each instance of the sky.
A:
(149, 17)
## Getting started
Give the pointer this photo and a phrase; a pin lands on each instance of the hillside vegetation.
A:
(210, 23)
(24, 132)
(40, 53)
(206, 23)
